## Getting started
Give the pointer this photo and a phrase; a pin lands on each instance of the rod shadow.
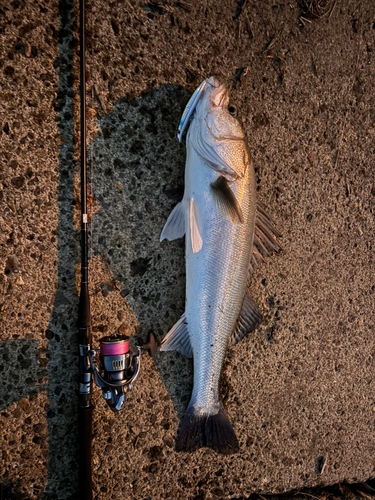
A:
(62, 347)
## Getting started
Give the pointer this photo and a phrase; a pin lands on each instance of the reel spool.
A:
(117, 370)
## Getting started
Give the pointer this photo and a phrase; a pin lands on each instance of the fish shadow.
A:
(138, 158)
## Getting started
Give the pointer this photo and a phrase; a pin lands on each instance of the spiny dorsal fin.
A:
(178, 339)
(196, 239)
(265, 234)
(250, 317)
(255, 261)
(175, 226)
(225, 200)
(262, 214)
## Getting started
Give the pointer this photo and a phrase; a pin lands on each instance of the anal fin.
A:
(178, 339)
(250, 317)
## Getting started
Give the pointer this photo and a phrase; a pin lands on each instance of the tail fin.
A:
(212, 431)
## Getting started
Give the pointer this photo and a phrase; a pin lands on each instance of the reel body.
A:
(116, 370)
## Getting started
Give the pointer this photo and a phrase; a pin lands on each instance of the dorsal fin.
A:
(265, 234)
(250, 317)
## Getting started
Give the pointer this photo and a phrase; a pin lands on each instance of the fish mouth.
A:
(217, 96)
(214, 82)
(216, 99)
(218, 93)
(191, 106)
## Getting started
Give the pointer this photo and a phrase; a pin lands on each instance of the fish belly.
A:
(215, 277)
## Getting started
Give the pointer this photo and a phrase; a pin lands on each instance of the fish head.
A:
(221, 116)
(215, 132)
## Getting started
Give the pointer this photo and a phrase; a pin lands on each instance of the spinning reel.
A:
(116, 370)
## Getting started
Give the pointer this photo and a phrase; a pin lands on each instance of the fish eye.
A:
(232, 110)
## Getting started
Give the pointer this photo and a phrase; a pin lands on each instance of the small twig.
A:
(307, 494)
(333, 6)
(324, 15)
(347, 187)
(98, 96)
(249, 27)
(363, 494)
(271, 44)
(342, 133)
(275, 57)
(238, 29)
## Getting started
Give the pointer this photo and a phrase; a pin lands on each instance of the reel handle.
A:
(151, 346)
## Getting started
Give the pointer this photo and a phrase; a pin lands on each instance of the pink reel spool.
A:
(112, 346)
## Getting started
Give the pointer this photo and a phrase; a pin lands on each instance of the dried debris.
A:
(315, 9)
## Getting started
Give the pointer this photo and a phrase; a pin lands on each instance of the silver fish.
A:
(217, 215)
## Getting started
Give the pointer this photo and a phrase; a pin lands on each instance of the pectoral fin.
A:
(196, 239)
(178, 339)
(225, 200)
(175, 226)
(250, 317)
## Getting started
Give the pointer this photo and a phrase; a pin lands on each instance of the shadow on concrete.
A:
(62, 345)
(22, 375)
(24, 372)
(137, 158)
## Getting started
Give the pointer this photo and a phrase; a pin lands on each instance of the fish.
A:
(227, 235)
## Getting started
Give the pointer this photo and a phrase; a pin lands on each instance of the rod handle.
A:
(84, 313)
(84, 438)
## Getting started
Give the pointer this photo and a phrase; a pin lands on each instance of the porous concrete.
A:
(299, 391)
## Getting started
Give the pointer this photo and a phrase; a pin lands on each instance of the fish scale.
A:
(218, 278)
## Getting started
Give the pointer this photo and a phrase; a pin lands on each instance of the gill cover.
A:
(214, 133)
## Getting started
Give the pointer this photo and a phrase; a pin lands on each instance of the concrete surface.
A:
(300, 390)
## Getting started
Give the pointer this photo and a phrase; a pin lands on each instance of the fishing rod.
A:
(84, 313)
(116, 369)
